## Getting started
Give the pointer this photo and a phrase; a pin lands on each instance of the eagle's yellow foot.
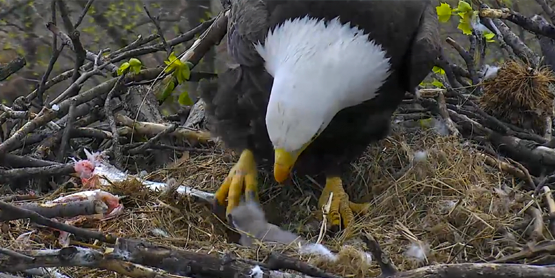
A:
(242, 179)
(342, 210)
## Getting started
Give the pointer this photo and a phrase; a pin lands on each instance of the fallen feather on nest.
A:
(249, 219)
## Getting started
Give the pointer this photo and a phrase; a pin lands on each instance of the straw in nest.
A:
(450, 202)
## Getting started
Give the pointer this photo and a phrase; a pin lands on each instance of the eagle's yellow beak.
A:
(284, 161)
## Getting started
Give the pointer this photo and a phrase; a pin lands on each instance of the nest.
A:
(430, 193)
(520, 95)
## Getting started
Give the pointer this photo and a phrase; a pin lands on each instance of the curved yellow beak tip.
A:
(283, 163)
(280, 173)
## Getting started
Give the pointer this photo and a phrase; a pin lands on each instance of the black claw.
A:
(230, 220)
(333, 230)
(217, 209)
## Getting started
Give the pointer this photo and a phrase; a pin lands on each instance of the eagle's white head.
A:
(319, 68)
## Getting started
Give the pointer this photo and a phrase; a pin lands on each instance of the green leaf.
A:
(489, 36)
(136, 69)
(183, 73)
(463, 7)
(437, 83)
(184, 99)
(439, 70)
(464, 23)
(123, 67)
(168, 90)
(135, 62)
(444, 12)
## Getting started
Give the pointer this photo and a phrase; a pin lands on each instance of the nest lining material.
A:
(450, 202)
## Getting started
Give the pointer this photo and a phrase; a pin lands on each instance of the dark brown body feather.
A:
(236, 105)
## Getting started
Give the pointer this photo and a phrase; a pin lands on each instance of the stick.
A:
(445, 115)
(66, 210)
(39, 219)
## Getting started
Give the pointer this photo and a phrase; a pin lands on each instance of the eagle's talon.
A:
(242, 180)
(342, 211)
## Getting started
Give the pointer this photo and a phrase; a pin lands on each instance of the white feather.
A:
(318, 69)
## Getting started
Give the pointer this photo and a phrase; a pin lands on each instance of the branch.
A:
(12, 67)
(520, 20)
(41, 220)
(110, 115)
(547, 9)
(77, 256)
(468, 59)
(445, 115)
(153, 129)
(53, 210)
(469, 270)
(386, 266)
(183, 262)
(67, 41)
(519, 48)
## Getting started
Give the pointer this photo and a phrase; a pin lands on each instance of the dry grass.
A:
(451, 202)
(520, 95)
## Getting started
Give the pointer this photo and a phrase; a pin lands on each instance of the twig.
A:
(80, 55)
(67, 41)
(537, 223)
(42, 87)
(520, 20)
(14, 254)
(470, 270)
(110, 116)
(83, 14)
(468, 59)
(41, 220)
(66, 134)
(64, 210)
(545, 247)
(544, 182)
(524, 149)
(386, 266)
(446, 66)
(153, 129)
(61, 169)
(16, 161)
(519, 48)
(159, 29)
(445, 115)
(277, 261)
(508, 168)
(44, 116)
(77, 256)
(548, 128)
(550, 208)
(55, 55)
(527, 177)
(153, 140)
(184, 262)
(12, 67)
(128, 52)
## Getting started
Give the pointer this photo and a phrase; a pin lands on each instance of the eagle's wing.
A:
(426, 47)
(248, 24)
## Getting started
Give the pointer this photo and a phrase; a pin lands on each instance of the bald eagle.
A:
(316, 82)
